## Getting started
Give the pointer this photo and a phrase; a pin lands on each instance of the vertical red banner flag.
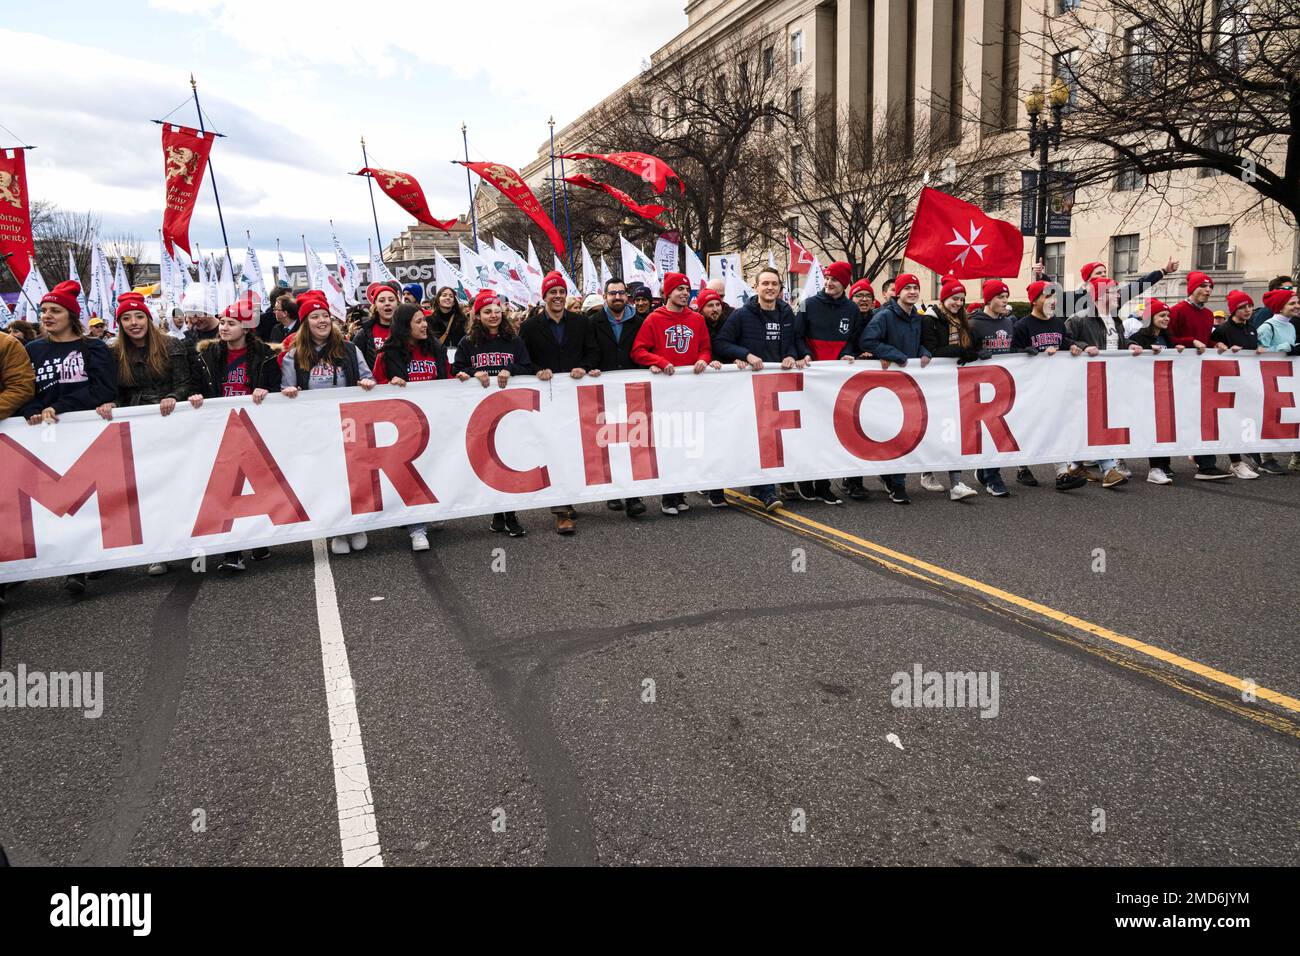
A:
(404, 189)
(185, 157)
(516, 190)
(15, 214)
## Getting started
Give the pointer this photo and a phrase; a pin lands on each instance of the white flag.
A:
(76, 277)
(518, 272)
(318, 277)
(535, 274)
(226, 283)
(736, 291)
(251, 278)
(605, 274)
(637, 266)
(207, 270)
(349, 278)
(568, 280)
(284, 270)
(771, 260)
(378, 272)
(508, 286)
(6, 314)
(695, 273)
(815, 282)
(29, 299)
(476, 272)
(445, 274)
(590, 279)
(99, 300)
(665, 256)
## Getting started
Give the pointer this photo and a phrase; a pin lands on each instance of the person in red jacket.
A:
(1191, 324)
(673, 336)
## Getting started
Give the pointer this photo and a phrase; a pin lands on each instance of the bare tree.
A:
(855, 194)
(707, 112)
(1167, 96)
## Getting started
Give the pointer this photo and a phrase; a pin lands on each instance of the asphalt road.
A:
(504, 718)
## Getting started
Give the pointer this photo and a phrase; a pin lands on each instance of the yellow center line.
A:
(908, 565)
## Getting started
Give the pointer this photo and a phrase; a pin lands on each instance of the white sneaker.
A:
(961, 490)
(1157, 476)
(929, 482)
(668, 509)
(683, 506)
(1122, 467)
(419, 541)
(1242, 470)
(339, 545)
(358, 541)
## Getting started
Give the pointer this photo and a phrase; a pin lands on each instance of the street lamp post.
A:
(1043, 137)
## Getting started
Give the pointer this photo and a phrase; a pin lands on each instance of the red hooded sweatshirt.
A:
(672, 338)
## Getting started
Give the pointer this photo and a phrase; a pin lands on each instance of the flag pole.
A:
(22, 286)
(568, 229)
(469, 186)
(370, 183)
(551, 123)
(212, 176)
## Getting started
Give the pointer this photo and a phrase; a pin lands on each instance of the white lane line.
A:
(357, 830)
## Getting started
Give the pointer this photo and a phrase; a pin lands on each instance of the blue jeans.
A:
(762, 492)
(985, 475)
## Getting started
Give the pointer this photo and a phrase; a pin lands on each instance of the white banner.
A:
(85, 494)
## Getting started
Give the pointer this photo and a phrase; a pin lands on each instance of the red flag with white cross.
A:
(956, 238)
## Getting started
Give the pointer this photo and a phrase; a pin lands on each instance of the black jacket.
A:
(827, 325)
(748, 332)
(1091, 330)
(1230, 334)
(363, 341)
(263, 369)
(934, 339)
(148, 388)
(1149, 335)
(578, 350)
(610, 354)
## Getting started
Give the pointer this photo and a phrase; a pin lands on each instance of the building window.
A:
(898, 211)
(1216, 137)
(1054, 261)
(1139, 61)
(1128, 178)
(1065, 6)
(792, 227)
(895, 267)
(744, 76)
(769, 62)
(1065, 66)
(796, 165)
(1212, 247)
(796, 105)
(769, 117)
(1124, 254)
(1232, 31)
(995, 197)
(796, 48)
(824, 225)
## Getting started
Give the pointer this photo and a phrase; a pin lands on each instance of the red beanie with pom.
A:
(131, 302)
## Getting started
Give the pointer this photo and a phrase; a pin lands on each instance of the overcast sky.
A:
(294, 84)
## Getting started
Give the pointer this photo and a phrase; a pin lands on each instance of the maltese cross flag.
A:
(955, 238)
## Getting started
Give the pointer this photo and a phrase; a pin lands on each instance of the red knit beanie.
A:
(373, 290)
(1154, 308)
(841, 272)
(1089, 268)
(704, 298)
(65, 294)
(951, 287)
(1197, 279)
(672, 280)
(904, 280)
(553, 280)
(244, 309)
(313, 299)
(1034, 290)
(487, 297)
(129, 302)
(1276, 300)
(994, 288)
(862, 285)
(1236, 299)
(1098, 286)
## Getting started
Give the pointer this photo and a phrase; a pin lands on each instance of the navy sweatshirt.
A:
(72, 376)
(493, 356)
(893, 334)
(992, 335)
(769, 335)
(1035, 335)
